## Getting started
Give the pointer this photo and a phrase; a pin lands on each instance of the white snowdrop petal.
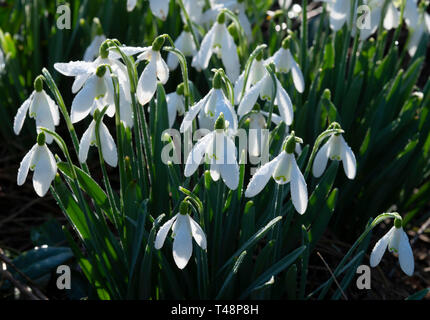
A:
(147, 84)
(284, 104)
(92, 50)
(201, 59)
(45, 171)
(54, 110)
(131, 4)
(392, 17)
(198, 233)
(250, 98)
(238, 87)
(406, 256)
(172, 101)
(379, 248)
(128, 51)
(193, 111)
(348, 159)
(87, 139)
(162, 69)
(261, 177)
(196, 155)
(108, 146)
(298, 79)
(25, 166)
(229, 55)
(83, 101)
(230, 175)
(299, 191)
(162, 233)
(21, 115)
(79, 82)
(74, 68)
(159, 8)
(320, 161)
(182, 243)
(214, 171)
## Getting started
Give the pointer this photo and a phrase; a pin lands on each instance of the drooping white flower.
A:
(159, 8)
(131, 4)
(264, 89)
(2, 62)
(337, 149)
(185, 44)
(88, 139)
(184, 228)
(397, 242)
(194, 9)
(41, 161)
(218, 40)
(155, 69)
(220, 151)
(41, 107)
(256, 73)
(175, 106)
(284, 62)
(284, 4)
(340, 12)
(92, 51)
(283, 169)
(209, 109)
(96, 93)
(418, 21)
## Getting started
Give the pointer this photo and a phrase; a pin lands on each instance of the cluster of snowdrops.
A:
(233, 97)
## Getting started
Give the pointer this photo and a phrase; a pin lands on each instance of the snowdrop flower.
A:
(41, 107)
(209, 109)
(218, 40)
(155, 69)
(418, 21)
(96, 93)
(40, 160)
(284, 4)
(194, 9)
(397, 242)
(256, 73)
(184, 228)
(282, 169)
(2, 61)
(220, 152)
(284, 62)
(340, 11)
(88, 139)
(131, 4)
(185, 44)
(264, 88)
(337, 149)
(92, 51)
(175, 104)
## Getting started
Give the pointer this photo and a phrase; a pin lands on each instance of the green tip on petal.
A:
(220, 122)
(101, 70)
(184, 208)
(41, 139)
(221, 18)
(158, 43)
(398, 223)
(38, 83)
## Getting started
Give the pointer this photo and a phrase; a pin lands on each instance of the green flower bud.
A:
(184, 208)
(101, 70)
(286, 42)
(290, 143)
(41, 138)
(398, 223)
(104, 49)
(217, 81)
(38, 83)
(220, 122)
(233, 31)
(180, 89)
(221, 18)
(158, 43)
